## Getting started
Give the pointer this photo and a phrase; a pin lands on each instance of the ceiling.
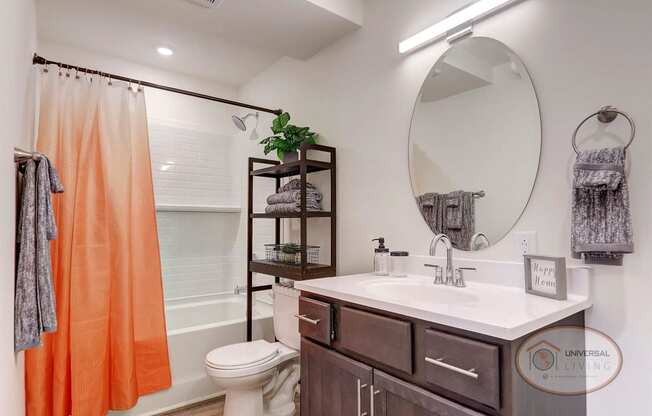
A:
(229, 44)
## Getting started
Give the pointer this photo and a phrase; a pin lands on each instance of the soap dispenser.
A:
(381, 258)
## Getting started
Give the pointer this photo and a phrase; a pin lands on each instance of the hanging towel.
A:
(34, 305)
(452, 214)
(601, 229)
(430, 205)
(460, 218)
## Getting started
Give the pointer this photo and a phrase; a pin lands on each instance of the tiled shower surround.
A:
(202, 250)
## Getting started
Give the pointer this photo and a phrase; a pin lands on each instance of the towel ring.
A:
(606, 114)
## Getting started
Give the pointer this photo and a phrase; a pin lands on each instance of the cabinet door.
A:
(394, 397)
(332, 384)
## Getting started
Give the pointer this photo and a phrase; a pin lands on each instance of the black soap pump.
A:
(381, 258)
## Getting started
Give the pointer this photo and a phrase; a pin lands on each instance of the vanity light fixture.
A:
(164, 51)
(459, 23)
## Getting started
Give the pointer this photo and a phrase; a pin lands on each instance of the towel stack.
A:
(288, 199)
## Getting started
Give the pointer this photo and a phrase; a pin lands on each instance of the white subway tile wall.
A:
(202, 252)
(191, 166)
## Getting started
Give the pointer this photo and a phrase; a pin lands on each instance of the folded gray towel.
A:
(295, 184)
(601, 224)
(34, 307)
(288, 208)
(294, 196)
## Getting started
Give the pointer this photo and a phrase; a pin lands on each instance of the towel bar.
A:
(606, 114)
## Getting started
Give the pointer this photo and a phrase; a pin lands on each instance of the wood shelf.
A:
(309, 214)
(289, 271)
(276, 171)
(291, 169)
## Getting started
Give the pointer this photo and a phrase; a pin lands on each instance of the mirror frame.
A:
(538, 167)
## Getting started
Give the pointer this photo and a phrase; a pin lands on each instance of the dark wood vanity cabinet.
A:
(332, 384)
(376, 363)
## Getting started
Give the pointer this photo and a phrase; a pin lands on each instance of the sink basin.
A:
(413, 291)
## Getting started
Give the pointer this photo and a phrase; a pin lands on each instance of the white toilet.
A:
(260, 377)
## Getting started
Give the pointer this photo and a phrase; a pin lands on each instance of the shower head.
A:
(240, 121)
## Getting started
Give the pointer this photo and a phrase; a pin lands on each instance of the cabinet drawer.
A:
(315, 320)
(464, 366)
(394, 397)
(385, 340)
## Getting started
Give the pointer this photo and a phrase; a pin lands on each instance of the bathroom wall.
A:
(17, 43)
(581, 54)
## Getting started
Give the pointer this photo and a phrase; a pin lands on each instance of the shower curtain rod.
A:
(39, 60)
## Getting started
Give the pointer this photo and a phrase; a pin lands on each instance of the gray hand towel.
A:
(35, 310)
(430, 205)
(452, 214)
(601, 228)
(460, 218)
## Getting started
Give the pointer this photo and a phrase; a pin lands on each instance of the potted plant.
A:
(287, 139)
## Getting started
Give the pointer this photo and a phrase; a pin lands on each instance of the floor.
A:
(210, 408)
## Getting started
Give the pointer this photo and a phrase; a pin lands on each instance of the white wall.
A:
(17, 43)
(581, 54)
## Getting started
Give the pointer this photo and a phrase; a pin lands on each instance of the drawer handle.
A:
(372, 402)
(305, 318)
(440, 363)
(360, 386)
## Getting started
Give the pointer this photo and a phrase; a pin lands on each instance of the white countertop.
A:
(499, 311)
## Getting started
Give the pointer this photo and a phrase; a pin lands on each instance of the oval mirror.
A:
(475, 142)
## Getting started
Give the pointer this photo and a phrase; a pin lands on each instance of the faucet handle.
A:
(439, 274)
(459, 276)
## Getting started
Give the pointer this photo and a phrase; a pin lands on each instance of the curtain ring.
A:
(76, 73)
(129, 87)
(110, 82)
(59, 65)
(68, 72)
(140, 88)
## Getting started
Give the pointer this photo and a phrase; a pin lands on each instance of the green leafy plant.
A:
(291, 248)
(287, 137)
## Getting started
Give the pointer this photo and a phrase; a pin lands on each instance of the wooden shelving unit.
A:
(302, 168)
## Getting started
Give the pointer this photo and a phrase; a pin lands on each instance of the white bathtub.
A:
(196, 326)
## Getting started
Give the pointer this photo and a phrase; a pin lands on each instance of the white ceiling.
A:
(229, 44)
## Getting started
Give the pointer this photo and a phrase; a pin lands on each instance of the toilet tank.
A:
(286, 324)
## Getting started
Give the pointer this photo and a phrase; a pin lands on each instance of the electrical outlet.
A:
(525, 242)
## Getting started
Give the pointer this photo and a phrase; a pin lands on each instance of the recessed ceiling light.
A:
(165, 51)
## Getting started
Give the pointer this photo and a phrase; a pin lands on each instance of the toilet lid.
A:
(242, 355)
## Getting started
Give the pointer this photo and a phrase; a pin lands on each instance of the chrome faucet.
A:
(449, 255)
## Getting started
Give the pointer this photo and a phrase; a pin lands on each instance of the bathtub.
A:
(195, 326)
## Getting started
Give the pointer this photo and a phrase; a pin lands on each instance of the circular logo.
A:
(569, 360)
(543, 359)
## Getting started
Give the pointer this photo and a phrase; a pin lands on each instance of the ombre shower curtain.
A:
(111, 346)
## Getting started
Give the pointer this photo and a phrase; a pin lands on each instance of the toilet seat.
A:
(247, 358)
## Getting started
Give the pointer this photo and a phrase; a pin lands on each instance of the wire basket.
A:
(290, 253)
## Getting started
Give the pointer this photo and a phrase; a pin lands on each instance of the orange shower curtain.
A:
(111, 346)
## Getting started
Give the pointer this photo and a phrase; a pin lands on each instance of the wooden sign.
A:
(545, 276)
